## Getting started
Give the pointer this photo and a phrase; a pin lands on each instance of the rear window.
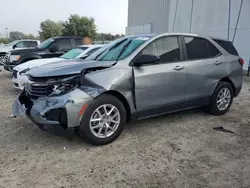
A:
(228, 46)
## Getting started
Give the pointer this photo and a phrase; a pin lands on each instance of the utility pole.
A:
(229, 19)
(6, 32)
(191, 16)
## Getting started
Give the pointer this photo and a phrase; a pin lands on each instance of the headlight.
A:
(65, 86)
(14, 58)
(22, 73)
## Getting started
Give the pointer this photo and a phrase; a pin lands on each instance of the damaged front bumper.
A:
(65, 110)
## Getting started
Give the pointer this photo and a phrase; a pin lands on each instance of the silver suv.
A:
(134, 77)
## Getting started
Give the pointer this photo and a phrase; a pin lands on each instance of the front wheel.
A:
(103, 120)
(222, 99)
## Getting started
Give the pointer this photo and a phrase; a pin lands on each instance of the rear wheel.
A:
(222, 99)
(103, 120)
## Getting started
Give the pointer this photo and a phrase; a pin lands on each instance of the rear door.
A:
(163, 84)
(205, 68)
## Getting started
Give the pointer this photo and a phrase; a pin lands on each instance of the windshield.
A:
(122, 49)
(12, 43)
(98, 52)
(72, 54)
(45, 43)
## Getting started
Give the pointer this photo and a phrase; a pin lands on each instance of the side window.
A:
(196, 48)
(20, 45)
(213, 51)
(78, 42)
(167, 48)
(63, 45)
(228, 46)
(32, 44)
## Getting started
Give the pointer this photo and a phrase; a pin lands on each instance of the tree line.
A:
(76, 25)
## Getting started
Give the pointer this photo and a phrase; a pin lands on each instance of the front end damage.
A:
(63, 102)
(61, 110)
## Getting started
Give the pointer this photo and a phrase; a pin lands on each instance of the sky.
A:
(26, 15)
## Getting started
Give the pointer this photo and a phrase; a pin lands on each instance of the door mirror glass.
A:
(146, 59)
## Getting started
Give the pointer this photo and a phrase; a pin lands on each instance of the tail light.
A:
(241, 61)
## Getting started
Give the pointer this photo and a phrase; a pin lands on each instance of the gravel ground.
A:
(176, 150)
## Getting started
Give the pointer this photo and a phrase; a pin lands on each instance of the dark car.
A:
(52, 47)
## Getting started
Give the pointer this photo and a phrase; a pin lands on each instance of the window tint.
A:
(228, 46)
(196, 48)
(32, 44)
(78, 42)
(63, 45)
(213, 51)
(167, 48)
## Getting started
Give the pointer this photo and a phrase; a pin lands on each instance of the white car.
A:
(17, 44)
(19, 78)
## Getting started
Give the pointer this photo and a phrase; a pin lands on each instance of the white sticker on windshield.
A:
(142, 38)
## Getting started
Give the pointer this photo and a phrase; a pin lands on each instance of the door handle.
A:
(179, 68)
(218, 62)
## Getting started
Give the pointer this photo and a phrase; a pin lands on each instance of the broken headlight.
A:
(64, 86)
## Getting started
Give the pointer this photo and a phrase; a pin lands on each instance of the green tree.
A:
(107, 36)
(16, 35)
(49, 28)
(3, 40)
(79, 26)
(29, 36)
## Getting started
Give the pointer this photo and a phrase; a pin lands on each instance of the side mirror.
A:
(84, 56)
(146, 59)
(53, 49)
(14, 46)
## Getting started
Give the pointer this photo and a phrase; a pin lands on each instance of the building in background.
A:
(207, 17)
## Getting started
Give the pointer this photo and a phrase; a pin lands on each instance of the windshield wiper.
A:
(123, 49)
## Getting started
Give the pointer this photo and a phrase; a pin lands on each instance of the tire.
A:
(213, 107)
(85, 131)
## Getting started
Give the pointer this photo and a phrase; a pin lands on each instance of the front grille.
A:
(14, 74)
(38, 90)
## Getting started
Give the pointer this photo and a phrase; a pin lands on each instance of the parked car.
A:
(137, 77)
(52, 47)
(19, 72)
(17, 44)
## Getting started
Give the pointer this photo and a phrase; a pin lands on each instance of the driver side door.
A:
(160, 85)
(60, 46)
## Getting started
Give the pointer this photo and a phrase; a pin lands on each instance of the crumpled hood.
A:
(66, 67)
(35, 63)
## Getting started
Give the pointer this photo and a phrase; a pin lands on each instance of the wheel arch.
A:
(123, 100)
(228, 80)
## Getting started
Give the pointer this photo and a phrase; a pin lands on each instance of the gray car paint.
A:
(146, 87)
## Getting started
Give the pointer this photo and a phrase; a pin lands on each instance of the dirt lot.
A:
(177, 150)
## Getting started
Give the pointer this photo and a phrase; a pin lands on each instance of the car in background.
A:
(17, 44)
(101, 42)
(136, 77)
(19, 72)
(52, 47)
